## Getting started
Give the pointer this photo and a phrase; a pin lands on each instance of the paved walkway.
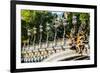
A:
(65, 55)
(60, 55)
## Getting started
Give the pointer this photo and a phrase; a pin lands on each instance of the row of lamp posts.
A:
(57, 23)
(47, 28)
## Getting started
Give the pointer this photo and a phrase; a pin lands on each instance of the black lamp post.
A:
(47, 28)
(41, 30)
(29, 34)
(74, 22)
(56, 25)
(34, 33)
(64, 24)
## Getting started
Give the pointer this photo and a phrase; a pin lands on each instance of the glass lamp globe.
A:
(74, 17)
(41, 30)
(34, 32)
(48, 28)
(74, 21)
(41, 26)
(34, 29)
(29, 32)
(48, 24)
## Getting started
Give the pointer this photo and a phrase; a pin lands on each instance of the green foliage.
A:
(84, 16)
(34, 18)
(31, 18)
(26, 14)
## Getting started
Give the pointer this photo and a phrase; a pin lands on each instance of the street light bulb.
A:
(41, 26)
(48, 28)
(29, 32)
(64, 22)
(34, 32)
(41, 30)
(34, 28)
(74, 17)
(74, 22)
(48, 24)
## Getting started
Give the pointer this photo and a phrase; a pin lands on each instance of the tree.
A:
(34, 18)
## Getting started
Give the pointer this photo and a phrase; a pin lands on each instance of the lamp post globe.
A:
(41, 30)
(29, 34)
(74, 21)
(56, 25)
(64, 24)
(34, 33)
(34, 29)
(47, 28)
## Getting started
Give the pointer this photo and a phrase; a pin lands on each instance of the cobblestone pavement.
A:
(58, 53)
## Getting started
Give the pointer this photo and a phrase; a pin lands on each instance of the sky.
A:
(58, 13)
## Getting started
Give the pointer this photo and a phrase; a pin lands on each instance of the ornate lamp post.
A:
(34, 32)
(74, 22)
(56, 25)
(64, 24)
(29, 34)
(40, 45)
(47, 28)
